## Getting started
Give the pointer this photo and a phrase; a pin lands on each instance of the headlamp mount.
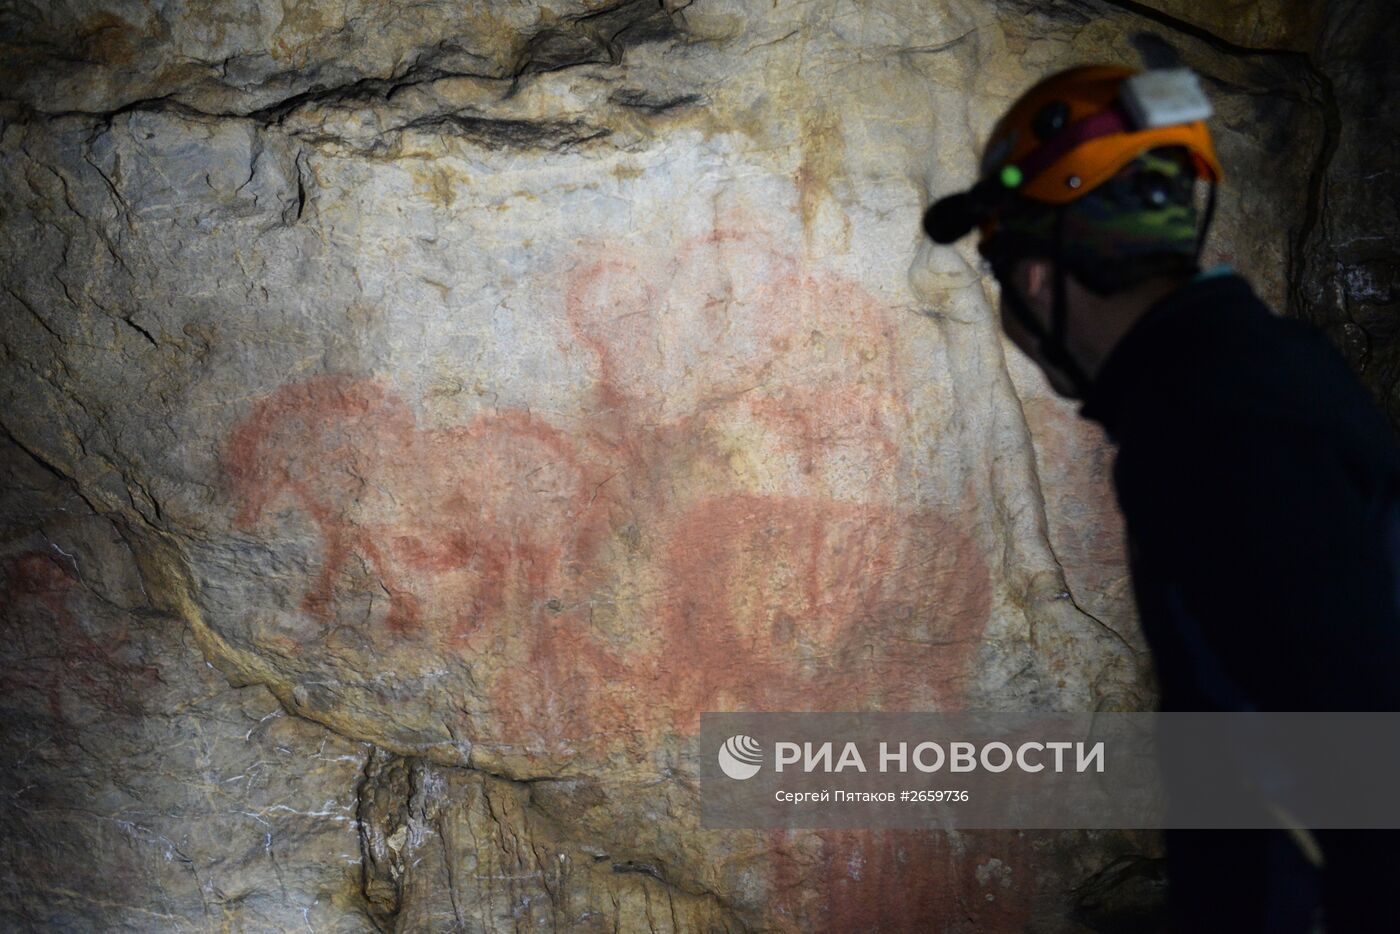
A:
(950, 219)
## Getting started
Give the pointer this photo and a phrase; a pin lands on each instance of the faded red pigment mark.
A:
(804, 604)
(728, 325)
(901, 881)
(456, 524)
(52, 653)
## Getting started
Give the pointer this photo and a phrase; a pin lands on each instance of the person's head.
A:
(1086, 209)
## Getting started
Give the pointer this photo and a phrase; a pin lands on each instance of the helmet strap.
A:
(1205, 222)
(1051, 348)
(1056, 348)
(1052, 340)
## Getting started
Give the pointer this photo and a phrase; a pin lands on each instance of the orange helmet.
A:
(1074, 131)
(1099, 129)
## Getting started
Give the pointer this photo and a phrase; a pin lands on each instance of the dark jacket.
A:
(1260, 484)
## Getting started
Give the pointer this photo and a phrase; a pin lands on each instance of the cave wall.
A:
(415, 415)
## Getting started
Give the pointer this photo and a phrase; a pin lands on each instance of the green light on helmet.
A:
(1011, 176)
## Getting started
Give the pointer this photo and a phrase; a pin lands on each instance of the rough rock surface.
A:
(1348, 270)
(487, 390)
(141, 791)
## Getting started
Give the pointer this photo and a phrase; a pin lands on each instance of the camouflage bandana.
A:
(1119, 220)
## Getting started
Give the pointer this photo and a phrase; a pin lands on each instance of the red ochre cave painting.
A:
(479, 523)
(50, 652)
(721, 529)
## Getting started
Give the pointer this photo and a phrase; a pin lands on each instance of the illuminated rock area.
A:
(416, 415)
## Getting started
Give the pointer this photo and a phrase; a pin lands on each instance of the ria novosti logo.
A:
(740, 757)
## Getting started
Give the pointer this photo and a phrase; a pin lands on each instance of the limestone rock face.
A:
(1349, 255)
(1268, 26)
(485, 391)
(142, 792)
